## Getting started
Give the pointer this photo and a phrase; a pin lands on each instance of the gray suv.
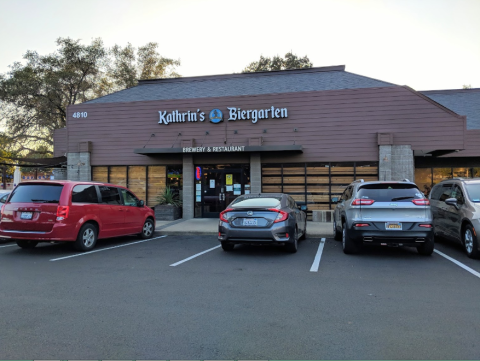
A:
(456, 212)
(383, 213)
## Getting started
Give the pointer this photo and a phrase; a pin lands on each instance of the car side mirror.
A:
(141, 203)
(452, 202)
(334, 199)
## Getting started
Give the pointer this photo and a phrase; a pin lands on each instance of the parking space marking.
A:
(318, 256)
(194, 256)
(104, 249)
(8, 245)
(466, 268)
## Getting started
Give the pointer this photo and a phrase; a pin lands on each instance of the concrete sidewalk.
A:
(209, 226)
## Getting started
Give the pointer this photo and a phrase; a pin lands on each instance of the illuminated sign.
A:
(198, 173)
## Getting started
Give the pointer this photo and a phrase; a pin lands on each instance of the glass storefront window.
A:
(462, 172)
(423, 179)
(440, 174)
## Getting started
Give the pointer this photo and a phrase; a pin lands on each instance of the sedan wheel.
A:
(292, 247)
(470, 242)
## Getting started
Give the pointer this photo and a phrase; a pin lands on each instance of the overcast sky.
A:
(426, 44)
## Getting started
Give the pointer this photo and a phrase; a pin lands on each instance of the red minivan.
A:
(79, 212)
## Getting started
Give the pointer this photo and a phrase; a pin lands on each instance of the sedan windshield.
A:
(473, 191)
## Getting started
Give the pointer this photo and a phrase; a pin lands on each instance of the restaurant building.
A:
(308, 133)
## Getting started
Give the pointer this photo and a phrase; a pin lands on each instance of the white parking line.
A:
(8, 245)
(466, 268)
(104, 249)
(194, 256)
(318, 256)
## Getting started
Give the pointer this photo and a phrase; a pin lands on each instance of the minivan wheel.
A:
(337, 234)
(292, 247)
(148, 229)
(426, 249)
(87, 238)
(470, 242)
(26, 244)
(348, 244)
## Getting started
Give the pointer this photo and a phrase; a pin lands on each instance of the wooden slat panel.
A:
(318, 198)
(318, 207)
(137, 181)
(317, 170)
(288, 188)
(271, 171)
(157, 176)
(271, 180)
(366, 170)
(316, 180)
(271, 189)
(338, 189)
(100, 174)
(370, 178)
(298, 197)
(317, 188)
(294, 170)
(342, 180)
(295, 180)
(345, 170)
(118, 176)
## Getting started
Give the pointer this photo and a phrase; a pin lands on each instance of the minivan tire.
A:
(426, 249)
(470, 242)
(26, 244)
(87, 238)
(348, 244)
(148, 229)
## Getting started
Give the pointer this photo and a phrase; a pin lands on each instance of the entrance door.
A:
(219, 187)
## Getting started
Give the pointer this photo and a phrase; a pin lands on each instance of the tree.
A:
(34, 96)
(291, 61)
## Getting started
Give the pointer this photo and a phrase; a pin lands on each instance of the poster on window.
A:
(212, 183)
(229, 179)
(237, 189)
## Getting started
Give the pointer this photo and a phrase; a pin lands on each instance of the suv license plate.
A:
(250, 222)
(397, 226)
(26, 215)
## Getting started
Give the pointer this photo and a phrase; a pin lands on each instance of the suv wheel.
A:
(87, 238)
(292, 247)
(349, 245)
(148, 229)
(26, 244)
(227, 247)
(336, 234)
(470, 242)
(426, 249)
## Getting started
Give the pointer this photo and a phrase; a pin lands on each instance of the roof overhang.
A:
(221, 149)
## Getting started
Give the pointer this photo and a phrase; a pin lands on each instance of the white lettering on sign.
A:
(213, 149)
(233, 114)
(255, 115)
(178, 117)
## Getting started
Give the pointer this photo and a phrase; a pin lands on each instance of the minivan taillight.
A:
(223, 214)
(421, 202)
(362, 202)
(62, 212)
(282, 215)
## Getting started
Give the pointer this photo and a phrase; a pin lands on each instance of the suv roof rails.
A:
(405, 180)
(457, 178)
(359, 181)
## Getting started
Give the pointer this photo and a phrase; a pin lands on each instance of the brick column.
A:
(78, 166)
(396, 162)
(188, 187)
(256, 173)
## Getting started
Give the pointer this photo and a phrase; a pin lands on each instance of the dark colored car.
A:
(384, 214)
(79, 212)
(456, 212)
(266, 218)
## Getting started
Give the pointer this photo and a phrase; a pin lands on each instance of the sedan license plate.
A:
(26, 215)
(250, 222)
(396, 226)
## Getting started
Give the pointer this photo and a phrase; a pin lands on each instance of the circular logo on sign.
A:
(216, 116)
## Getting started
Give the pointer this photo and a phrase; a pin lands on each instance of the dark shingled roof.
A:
(461, 101)
(323, 78)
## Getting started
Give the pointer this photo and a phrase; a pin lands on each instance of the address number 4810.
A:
(80, 115)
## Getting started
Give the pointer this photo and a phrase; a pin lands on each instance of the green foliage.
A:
(291, 61)
(34, 95)
(6, 153)
(168, 197)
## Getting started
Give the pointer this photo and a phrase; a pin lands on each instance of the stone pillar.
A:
(78, 166)
(188, 187)
(396, 162)
(255, 173)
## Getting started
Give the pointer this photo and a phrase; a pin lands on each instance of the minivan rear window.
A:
(390, 192)
(256, 202)
(36, 193)
(473, 191)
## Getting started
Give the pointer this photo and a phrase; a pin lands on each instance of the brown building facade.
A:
(307, 132)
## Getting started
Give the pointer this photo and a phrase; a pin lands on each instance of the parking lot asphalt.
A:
(182, 297)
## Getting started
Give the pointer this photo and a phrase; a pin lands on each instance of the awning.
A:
(221, 149)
